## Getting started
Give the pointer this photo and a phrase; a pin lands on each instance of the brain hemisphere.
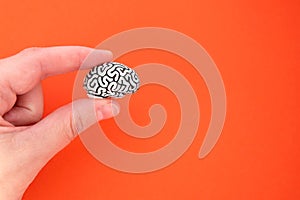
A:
(111, 80)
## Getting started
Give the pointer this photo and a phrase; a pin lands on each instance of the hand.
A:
(27, 143)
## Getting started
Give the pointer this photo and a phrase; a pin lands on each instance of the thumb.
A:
(58, 129)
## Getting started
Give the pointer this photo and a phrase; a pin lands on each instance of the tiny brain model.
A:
(111, 79)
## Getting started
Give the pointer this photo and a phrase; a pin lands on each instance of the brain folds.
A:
(111, 79)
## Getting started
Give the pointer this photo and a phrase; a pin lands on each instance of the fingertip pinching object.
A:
(111, 79)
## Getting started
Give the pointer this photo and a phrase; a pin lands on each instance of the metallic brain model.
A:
(111, 79)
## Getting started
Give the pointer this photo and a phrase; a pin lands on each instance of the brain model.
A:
(111, 79)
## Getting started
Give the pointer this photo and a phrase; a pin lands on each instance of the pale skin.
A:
(28, 142)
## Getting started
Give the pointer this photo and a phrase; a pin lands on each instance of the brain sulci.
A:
(111, 79)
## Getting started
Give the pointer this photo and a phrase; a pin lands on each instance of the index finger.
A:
(26, 69)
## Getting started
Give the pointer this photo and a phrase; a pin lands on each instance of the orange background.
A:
(255, 44)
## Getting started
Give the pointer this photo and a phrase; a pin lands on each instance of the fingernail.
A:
(96, 57)
(115, 108)
(107, 52)
(99, 115)
(99, 105)
(107, 110)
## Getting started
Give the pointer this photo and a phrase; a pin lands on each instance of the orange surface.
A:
(256, 46)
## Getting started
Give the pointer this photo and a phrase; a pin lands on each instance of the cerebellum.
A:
(111, 79)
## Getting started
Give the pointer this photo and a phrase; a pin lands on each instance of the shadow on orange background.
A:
(255, 44)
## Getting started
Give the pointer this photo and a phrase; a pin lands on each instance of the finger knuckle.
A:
(76, 125)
